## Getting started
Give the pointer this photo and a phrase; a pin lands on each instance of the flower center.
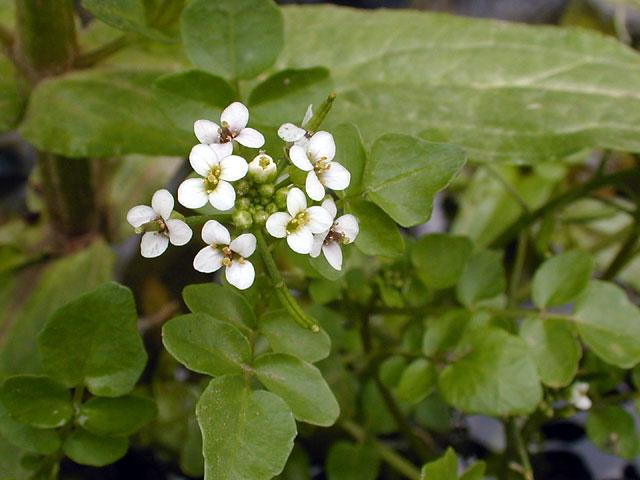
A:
(297, 222)
(322, 165)
(335, 236)
(212, 179)
(226, 135)
(264, 162)
(229, 256)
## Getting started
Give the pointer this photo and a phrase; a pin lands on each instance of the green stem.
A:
(388, 455)
(518, 267)
(521, 449)
(627, 250)
(93, 57)
(287, 300)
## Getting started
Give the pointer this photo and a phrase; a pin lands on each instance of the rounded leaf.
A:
(116, 416)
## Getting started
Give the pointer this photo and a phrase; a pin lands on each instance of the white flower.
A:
(262, 168)
(316, 158)
(294, 134)
(343, 231)
(214, 187)
(154, 243)
(578, 396)
(232, 254)
(233, 126)
(300, 223)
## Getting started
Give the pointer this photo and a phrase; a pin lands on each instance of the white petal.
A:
(301, 241)
(162, 203)
(222, 150)
(318, 240)
(244, 245)
(583, 403)
(233, 168)
(298, 156)
(307, 115)
(314, 188)
(140, 215)
(153, 244)
(296, 201)
(236, 116)
(330, 206)
(208, 260)
(322, 146)
(214, 233)
(290, 132)
(223, 197)
(179, 232)
(192, 194)
(206, 131)
(348, 225)
(240, 275)
(333, 254)
(202, 158)
(250, 137)
(319, 219)
(336, 177)
(277, 224)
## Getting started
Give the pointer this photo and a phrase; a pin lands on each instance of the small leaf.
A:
(348, 461)
(474, 472)
(561, 279)
(444, 468)
(88, 449)
(440, 259)
(36, 400)
(351, 154)
(247, 435)
(223, 303)
(483, 278)
(391, 370)
(613, 430)
(444, 332)
(116, 416)
(301, 385)
(44, 442)
(320, 265)
(234, 38)
(379, 235)
(417, 381)
(206, 345)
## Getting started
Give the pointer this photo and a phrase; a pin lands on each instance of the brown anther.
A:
(226, 262)
(227, 252)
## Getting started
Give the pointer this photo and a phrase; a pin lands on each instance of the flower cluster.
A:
(253, 192)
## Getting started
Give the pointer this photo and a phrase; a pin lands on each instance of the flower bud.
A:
(242, 187)
(260, 217)
(262, 169)
(281, 198)
(243, 203)
(266, 190)
(271, 208)
(242, 219)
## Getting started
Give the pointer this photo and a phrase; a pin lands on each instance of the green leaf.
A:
(404, 173)
(440, 259)
(348, 461)
(101, 114)
(391, 369)
(483, 278)
(37, 401)
(351, 154)
(561, 279)
(88, 449)
(443, 333)
(286, 336)
(191, 460)
(613, 430)
(496, 376)
(301, 385)
(247, 435)
(444, 468)
(554, 348)
(11, 102)
(234, 38)
(31, 439)
(463, 81)
(379, 235)
(94, 341)
(116, 416)
(320, 265)
(474, 472)
(206, 345)
(192, 95)
(417, 381)
(223, 303)
(609, 324)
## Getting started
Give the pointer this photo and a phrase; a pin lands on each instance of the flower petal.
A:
(192, 193)
(301, 241)
(277, 224)
(206, 131)
(298, 156)
(214, 233)
(236, 116)
(290, 132)
(162, 203)
(314, 188)
(223, 197)
(240, 275)
(233, 168)
(319, 219)
(244, 245)
(333, 254)
(208, 260)
(179, 232)
(202, 158)
(140, 214)
(322, 146)
(336, 177)
(250, 137)
(348, 225)
(296, 201)
(153, 244)
(318, 240)
(307, 115)
(330, 206)
(222, 150)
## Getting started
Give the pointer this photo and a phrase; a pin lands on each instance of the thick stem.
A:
(92, 57)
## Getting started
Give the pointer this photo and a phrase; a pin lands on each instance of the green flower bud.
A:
(262, 169)
(260, 217)
(266, 190)
(281, 198)
(271, 208)
(243, 187)
(242, 219)
(243, 203)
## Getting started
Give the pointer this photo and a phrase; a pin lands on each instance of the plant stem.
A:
(521, 449)
(388, 455)
(627, 250)
(287, 300)
(518, 267)
(92, 57)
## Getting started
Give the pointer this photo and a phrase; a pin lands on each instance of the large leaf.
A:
(94, 341)
(28, 438)
(223, 303)
(502, 91)
(561, 278)
(440, 259)
(101, 114)
(379, 235)
(247, 435)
